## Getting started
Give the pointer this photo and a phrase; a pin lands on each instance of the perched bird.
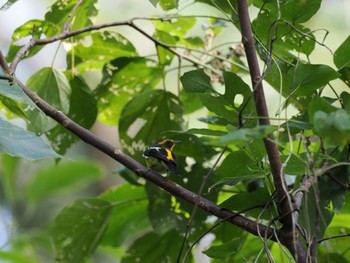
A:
(160, 157)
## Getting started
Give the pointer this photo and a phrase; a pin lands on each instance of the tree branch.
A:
(67, 34)
(288, 234)
(142, 171)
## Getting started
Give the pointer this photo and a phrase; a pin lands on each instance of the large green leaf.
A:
(34, 28)
(225, 250)
(15, 257)
(227, 105)
(77, 230)
(14, 92)
(18, 142)
(246, 134)
(165, 56)
(119, 84)
(297, 11)
(152, 248)
(53, 87)
(11, 96)
(196, 81)
(308, 78)
(129, 217)
(98, 49)
(55, 179)
(161, 211)
(334, 126)
(342, 55)
(259, 201)
(61, 13)
(82, 110)
(285, 39)
(148, 115)
(342, 60)
(237, 167)
(168, 4)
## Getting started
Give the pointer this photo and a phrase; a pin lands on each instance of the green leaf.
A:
(15, 257)
(225, 250)
(15, 141)
(164, 55)
(147, 116)
(82, 110)
(11, 96)
(178, 26)
(297, 11)
(7, 5)
(152, 248)
(287, 37)
(15, 93)
(52, 86)
(98, 49)
(160, 210)
(196, 81)
(35, 29)
(258, 202)
(77, 230)
(342, 54)
(319, 104)
(119, 84)
(334, 126)
(228, 105)
(206, 132)
(55, 179)
(342, 60)
(235, 168)
(61, 13)
(154, 2)
(309, 78)
(129, 217)
(168, 4)
(247, 134)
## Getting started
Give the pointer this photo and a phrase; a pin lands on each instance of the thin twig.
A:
(194, 210)
(67, 34)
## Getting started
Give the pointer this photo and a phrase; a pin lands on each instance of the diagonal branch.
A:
(288, 233)
(142, 171)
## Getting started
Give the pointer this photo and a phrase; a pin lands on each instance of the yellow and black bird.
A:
(160, 157)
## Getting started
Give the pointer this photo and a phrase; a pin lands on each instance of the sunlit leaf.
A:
(61, 13)
(168, 4)
(120, 84)
(99, 48)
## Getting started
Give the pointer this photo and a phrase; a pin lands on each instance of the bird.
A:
(160, 157)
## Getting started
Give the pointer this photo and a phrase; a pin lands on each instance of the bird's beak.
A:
(176, 142)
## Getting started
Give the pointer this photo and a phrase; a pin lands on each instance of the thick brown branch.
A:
(288, 234)
(169, 186)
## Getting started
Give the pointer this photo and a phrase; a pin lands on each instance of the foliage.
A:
(137, 221)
